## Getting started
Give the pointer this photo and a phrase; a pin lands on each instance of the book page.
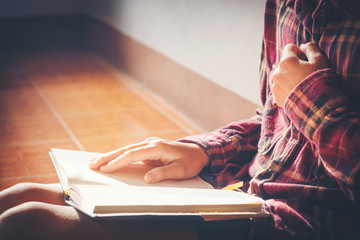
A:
(75, 164)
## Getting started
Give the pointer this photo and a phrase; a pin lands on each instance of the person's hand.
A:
(175, 160)
(294, 66)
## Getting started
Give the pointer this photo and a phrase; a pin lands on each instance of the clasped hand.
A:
(173, 160)
(295, 65)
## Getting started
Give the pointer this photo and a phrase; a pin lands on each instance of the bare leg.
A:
(26, 192)
(38, 211)
(34, 220)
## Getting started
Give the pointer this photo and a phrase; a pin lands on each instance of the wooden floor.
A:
(74, 100)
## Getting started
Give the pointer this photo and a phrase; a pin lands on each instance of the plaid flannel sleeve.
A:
(229, 150)
(331, 122)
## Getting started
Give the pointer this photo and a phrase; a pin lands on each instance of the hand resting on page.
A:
(174, 160)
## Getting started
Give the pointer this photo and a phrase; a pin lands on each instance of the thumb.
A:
(174, 170)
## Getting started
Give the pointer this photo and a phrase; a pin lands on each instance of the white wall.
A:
(218, 39)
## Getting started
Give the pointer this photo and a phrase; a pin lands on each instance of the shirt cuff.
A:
(209, 143)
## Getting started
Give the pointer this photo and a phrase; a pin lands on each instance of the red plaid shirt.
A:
(304, 160)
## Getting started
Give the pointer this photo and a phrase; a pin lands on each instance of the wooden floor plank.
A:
(55, 98)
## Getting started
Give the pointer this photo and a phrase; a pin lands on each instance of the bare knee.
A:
(25, 192)
(36, 220)
(30, 220)
(28, 188)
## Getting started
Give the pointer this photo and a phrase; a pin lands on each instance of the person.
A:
(299, 152)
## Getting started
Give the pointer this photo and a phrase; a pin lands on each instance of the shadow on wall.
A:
(41, 24)
(103, 39)
(41, 32)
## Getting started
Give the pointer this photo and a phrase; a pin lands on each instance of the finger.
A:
(293, 51)
(142, 153)
(175, 170)
(312, 52)
(96, 163)
(290, 50)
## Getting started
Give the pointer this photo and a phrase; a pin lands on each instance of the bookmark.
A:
(67, 195)
(234, 186)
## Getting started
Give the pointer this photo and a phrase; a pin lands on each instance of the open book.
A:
(124, 193)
